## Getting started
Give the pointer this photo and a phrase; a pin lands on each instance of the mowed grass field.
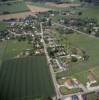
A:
(25, 79)
(14, 48)
(90, 46)
(13, 7)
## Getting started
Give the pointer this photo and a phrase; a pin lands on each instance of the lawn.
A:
(92, 96)
(13, 7)
(25, 78)
(66, 91)
(14, 47)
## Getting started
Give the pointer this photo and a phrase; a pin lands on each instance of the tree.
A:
(50, 22)
(80, 13)
(97, 34)
(74, 59)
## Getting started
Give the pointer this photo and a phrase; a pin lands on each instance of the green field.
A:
(25, 78)
(2, 48)
(13, 7)
(3, 26)
(88, 44)
(14, 47)
(91, 12)
(44, 4)
(87, 12)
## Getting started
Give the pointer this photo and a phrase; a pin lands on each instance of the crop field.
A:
(25, 78)
(14, 47)
(13, 7)
(15, 15)
(37, 9)
(2, 48)
(53, 6)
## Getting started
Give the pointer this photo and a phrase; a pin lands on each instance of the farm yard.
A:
(27, 79)
(13, 7)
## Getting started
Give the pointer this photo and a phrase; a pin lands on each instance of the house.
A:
(91, 79)
(91, 76)
(69, 84)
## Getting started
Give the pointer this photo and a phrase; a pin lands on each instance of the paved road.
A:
(50, 66)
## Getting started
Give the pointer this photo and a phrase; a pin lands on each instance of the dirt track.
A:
(36, 9)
